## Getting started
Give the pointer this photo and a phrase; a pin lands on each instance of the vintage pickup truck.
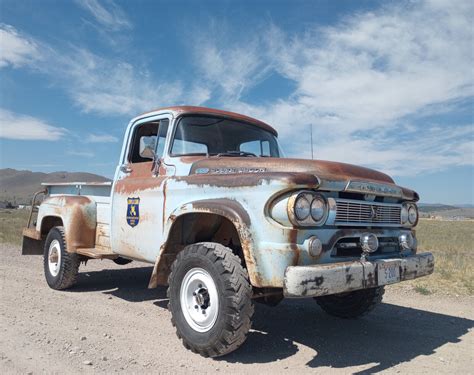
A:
(207, 197)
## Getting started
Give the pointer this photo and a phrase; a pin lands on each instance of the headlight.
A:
(318, 208)
(404, 214)
(412, 214)
(307, 208)
(302, 208)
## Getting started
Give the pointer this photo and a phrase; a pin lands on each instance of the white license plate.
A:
(388, 272)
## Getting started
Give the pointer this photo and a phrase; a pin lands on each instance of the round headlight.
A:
(412, 215)
(369, 242)
(318, 208)
(302, 208)
(404, 214)
(407, 241)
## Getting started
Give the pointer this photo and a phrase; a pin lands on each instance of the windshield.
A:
(202, 135)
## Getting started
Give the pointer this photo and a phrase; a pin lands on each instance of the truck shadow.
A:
(127, 283)
(388, 336)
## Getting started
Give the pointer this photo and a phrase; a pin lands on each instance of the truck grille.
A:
(355, 212)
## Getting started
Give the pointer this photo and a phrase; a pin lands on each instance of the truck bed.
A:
(100, 193)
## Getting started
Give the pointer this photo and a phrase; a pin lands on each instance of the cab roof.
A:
(190, 110)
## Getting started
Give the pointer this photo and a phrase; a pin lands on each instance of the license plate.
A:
(388, 272)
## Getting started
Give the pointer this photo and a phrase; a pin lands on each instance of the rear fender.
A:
(79, 218)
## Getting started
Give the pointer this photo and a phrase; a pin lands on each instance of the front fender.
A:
(228, 208)
(79, 217)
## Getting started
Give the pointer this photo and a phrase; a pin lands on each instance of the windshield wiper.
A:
(236, 153)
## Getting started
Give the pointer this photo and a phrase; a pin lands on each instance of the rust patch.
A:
(250, 179)
(140, 178)
(292, 240)
(321, 168)
(78, 213)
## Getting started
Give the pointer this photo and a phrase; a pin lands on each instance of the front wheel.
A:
(210, 299)
(352, 304)
(60, 266)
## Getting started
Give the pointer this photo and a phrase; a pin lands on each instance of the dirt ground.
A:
(110, 322)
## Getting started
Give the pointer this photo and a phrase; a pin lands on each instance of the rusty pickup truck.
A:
(207, 197)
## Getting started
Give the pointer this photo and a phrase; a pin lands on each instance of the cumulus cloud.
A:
(106, 13)
(16, 49)
(363, 84)
(371, 85)
(23, 127)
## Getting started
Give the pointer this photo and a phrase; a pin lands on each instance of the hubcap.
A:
(199, 300)
(54, 257)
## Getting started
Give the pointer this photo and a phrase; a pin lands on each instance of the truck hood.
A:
(337, 176)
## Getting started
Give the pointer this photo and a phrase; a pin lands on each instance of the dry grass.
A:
(452, 243)
(11, 225)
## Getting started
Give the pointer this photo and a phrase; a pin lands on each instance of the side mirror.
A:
(147, 147)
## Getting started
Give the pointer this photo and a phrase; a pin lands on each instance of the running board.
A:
(97, 253)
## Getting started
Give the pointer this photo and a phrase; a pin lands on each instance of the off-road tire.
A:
(234, 292)
(353, 304)
(68, 265)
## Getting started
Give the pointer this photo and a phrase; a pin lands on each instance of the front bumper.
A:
(323, 279)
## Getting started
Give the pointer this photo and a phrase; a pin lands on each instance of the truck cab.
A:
(209, 199)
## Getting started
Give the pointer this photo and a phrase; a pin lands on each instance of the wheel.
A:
(60, 266)
(353, 304)
(210, 299)
(122, 261)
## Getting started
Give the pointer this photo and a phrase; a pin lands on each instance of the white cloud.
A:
(107, 13)
(362, 83)
(82, 154)
(16, 49)
(101, 138)
(23, 127)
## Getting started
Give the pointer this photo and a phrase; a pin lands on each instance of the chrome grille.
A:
(356, 212)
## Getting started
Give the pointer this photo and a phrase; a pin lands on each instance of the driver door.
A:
(138, 199)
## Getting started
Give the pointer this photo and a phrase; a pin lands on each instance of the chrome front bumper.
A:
(323, 279)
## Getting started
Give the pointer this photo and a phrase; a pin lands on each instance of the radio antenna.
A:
(312, 149)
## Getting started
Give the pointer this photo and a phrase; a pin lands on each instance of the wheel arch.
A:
(224, 221)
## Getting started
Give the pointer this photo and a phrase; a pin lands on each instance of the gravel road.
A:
(110, 322)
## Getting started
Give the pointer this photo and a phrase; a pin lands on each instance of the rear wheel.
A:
(60, 266)
(352, 304)
(210, 299)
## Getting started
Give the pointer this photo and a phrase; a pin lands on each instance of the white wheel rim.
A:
(54, 257)
(199, 300)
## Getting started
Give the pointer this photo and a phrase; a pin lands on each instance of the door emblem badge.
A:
(133, 212)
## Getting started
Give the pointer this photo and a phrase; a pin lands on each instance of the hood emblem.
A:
(373, 210)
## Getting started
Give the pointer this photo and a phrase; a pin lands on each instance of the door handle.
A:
(125, 168)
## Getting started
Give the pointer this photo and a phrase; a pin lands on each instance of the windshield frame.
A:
(217, 117)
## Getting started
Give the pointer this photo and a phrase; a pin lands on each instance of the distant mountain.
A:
(432, 207)
(18, 186)
(446, 211)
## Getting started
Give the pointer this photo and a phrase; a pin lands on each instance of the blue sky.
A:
(388, 85)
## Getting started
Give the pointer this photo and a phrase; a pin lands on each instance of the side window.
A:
(143, 142)
(162, 132)
(259, 148)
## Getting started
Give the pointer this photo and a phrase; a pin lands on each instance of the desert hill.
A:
(18, 187)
